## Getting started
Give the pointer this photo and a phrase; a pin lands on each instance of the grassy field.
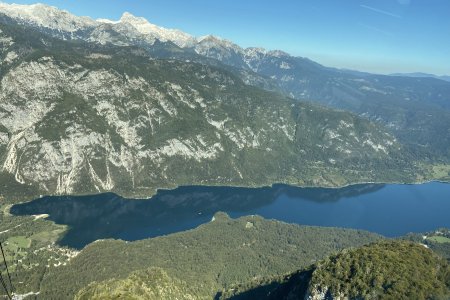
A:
(16, 248)
(17, 242)
(439, 239)
(441, 171)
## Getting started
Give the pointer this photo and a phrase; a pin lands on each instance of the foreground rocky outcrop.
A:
(382, 270)
(153, 283)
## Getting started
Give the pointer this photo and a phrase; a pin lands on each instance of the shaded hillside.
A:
(383, 270)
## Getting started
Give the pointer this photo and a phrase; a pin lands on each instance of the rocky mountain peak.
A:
(144, 27)
(46, 16)
(218, 42)
(140, 23)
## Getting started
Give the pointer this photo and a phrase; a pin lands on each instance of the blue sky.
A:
(382, 36)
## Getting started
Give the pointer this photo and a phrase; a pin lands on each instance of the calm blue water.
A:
(391, 210)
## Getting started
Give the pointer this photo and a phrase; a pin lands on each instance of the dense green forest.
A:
(382, 270)
(213, 256)
(225, 258)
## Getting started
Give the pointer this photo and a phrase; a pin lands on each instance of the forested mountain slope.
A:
(212, 257)
(78, 117)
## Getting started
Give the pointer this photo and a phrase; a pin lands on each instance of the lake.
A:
(391, 210)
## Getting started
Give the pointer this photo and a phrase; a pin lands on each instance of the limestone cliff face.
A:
(80, 118)
(322, 293)
(416, 110)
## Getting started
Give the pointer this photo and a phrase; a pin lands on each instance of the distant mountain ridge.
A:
(422, 75)
(129, 30)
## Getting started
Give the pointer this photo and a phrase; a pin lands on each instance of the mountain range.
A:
(414, 108)
(127, 106)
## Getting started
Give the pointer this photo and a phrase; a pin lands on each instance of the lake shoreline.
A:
(390, 210)
(173, 187)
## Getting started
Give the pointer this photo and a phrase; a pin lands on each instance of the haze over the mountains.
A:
(422, 75)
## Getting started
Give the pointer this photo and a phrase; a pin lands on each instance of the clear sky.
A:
(382, 36)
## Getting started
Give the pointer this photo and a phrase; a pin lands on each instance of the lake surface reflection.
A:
(391, 210)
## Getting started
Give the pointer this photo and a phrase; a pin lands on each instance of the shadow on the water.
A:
(110, 216)
(328, 194)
